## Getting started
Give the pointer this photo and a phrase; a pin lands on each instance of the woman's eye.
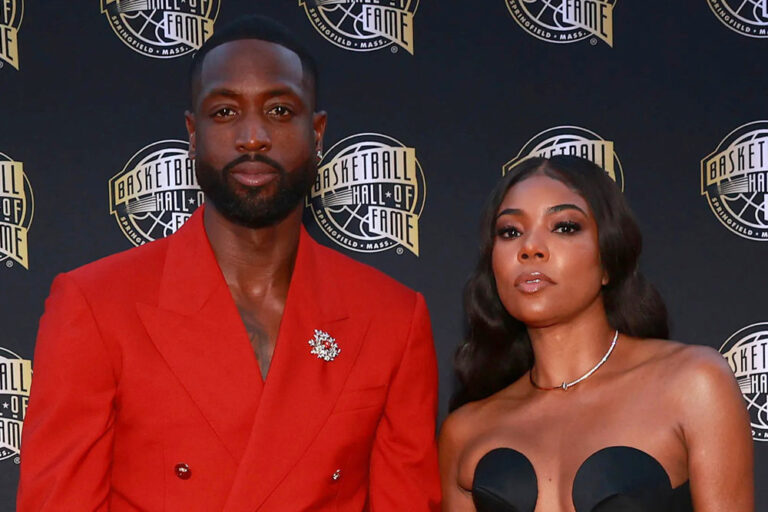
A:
(567, 227)
(507, 232)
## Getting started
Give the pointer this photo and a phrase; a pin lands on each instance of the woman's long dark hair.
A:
(496, 350)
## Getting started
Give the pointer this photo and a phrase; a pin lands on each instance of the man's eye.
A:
(507, 232)
(224, 112)
(279, 111)
(568, 227)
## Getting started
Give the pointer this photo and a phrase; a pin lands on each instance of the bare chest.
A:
(558, 436)
(261, 319)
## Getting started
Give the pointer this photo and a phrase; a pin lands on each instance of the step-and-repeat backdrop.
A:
(668, 97)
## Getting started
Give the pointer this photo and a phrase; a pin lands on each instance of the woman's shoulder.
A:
(683, 358)
(687, 359)
(696, 371)
(459, 423)
(465, 421)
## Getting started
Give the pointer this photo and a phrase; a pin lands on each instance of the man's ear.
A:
(605, 279)
(189, 120)
(319, 120)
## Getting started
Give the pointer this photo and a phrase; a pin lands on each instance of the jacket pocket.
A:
(354, 399)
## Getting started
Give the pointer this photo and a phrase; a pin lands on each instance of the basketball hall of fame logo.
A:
(747, 17)
(369, 194)
(747, 353)
(156, 192)
(15, 380)
(574, 141)
(735, 180)
(11, 12)
(565, 21)
(364, 25)
(162, 29)
(17, 207)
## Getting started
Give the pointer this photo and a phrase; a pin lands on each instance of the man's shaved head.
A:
(253, 27)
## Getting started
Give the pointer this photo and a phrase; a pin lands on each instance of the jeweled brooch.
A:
(324, 346)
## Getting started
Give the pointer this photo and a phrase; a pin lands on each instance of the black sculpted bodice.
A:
(614, 479)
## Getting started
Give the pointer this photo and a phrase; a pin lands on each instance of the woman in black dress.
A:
(572, 399)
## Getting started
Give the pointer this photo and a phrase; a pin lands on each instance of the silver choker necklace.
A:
(565, 385)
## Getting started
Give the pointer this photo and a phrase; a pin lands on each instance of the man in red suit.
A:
(236, 365)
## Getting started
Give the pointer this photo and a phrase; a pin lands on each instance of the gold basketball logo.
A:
(156, 192)
(162, 29)
(748, 18)
(734, 178)
(369, 194)
(565, 21)
(11, 13)
(574, 141)
(17, 207)
(15, 380)
(747, 354)
(364, 25)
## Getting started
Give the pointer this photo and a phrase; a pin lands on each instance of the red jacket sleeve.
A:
(67, 436)
(404, 472)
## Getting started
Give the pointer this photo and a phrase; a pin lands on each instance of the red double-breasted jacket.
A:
(147, 395)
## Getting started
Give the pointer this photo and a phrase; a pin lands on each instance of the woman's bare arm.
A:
(717, 433)
(452, 441)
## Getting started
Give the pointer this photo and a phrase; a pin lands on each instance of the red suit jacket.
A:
(142, 364)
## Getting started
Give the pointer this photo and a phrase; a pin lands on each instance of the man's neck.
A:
(257, 265)
(253, 259)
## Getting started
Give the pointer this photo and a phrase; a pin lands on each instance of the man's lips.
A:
(532, 282)
(253, 174)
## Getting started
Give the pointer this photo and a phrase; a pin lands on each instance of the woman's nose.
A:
(533, 248)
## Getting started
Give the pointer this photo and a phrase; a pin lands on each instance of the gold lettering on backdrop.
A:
(737, 160)
(573, 141)
(188, 28)
(198, 7)
(734, 178)
(565, 21)
(156, 192)
(394, 24)
(162, 28)
(369, 193)
(402, 226)
(14, 205)
(600, 152)
(364, 25)
(595, 16)
(394, 165)
(10, 21)
(169, 173)
(746, 352)
(15, 382)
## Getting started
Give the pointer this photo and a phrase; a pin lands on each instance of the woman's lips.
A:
(532, 282)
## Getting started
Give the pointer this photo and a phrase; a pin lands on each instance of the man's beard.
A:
(248, 206)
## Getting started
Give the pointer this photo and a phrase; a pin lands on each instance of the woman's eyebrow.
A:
(565, 206)
(510, 211)
(550, 210)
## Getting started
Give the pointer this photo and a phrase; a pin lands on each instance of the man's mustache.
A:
(252, 157)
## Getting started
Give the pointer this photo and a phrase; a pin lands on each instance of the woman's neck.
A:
(565, 351)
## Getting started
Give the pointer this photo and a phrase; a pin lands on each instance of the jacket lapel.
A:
(300, 389)
(198, 331)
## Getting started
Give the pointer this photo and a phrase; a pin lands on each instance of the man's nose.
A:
(253, 135)
(534, 247)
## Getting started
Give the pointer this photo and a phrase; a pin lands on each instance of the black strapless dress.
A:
(614, 479)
